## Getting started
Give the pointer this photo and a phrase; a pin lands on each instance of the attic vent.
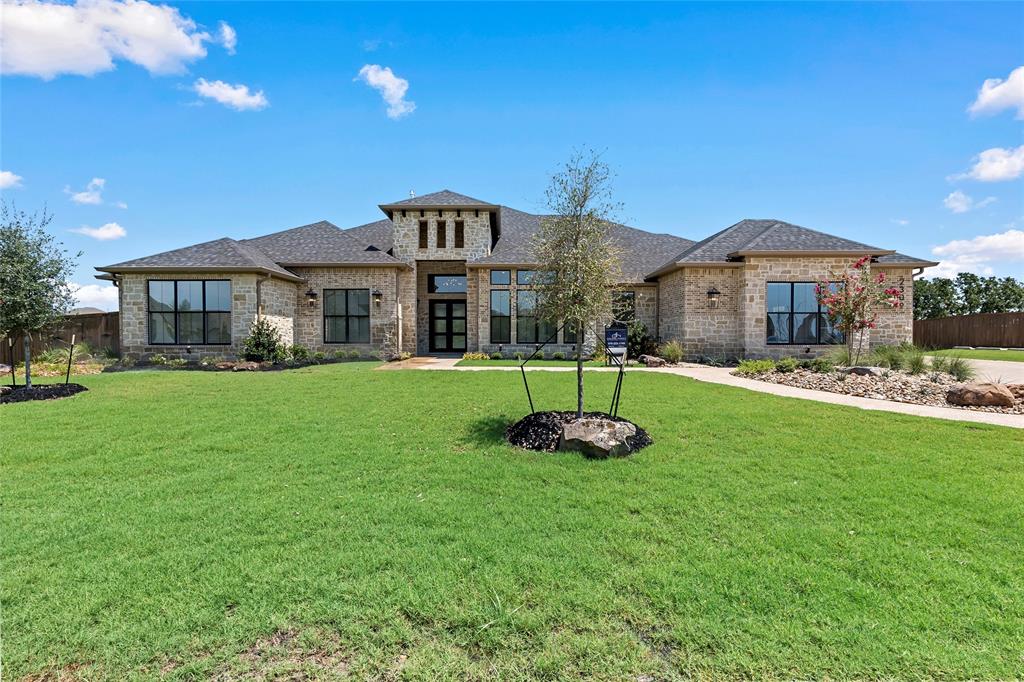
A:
(372, 248)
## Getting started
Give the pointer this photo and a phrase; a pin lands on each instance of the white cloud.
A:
(977, 255)
(103, 233)
(994, 165)
(958, 202)
(236, 97)
(92, 194)
(391, 88)
(9, 179)
(46, 39)
(228, 37)
(121, 204)
(102, 296)
(372, 44)
(997, 94)
(899, 221)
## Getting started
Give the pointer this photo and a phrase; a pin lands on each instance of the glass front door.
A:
(447, 326)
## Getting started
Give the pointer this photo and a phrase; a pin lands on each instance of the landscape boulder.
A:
(652, 361)
(596, 437)
(1017, 390)
(865, 371)
(4, 390)
(980, 395)
(245, 367)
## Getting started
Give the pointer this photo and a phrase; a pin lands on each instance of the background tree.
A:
(967, 294)
(578, 262)
(34, 274)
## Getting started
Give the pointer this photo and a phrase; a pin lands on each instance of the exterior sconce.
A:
(713, 297)
(311, 297)
(377, 296)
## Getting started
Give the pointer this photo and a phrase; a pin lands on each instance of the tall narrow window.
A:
(188, 312)
(530, 328)
(424, 234)
(501, 316)
(346, 315)
(460, 234)
(442, 233)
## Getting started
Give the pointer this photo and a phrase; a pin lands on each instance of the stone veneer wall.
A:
(896, 325)
(309, 328)
(477, 242)
(279, 299)
(134, 324)
(704, 331)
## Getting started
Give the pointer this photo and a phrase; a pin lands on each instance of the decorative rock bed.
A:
(929, 388)
(21, 394)
(596, 435)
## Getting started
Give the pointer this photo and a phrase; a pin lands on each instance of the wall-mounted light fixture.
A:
(377, 296)
(713, 297)
(311, 297)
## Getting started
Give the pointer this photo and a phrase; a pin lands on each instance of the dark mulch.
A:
(42, 392)
(541, 430)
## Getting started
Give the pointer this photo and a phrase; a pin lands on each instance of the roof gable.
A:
(320, 243)
(442, 199)
(225, 253)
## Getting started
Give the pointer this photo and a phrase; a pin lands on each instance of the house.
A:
(446, 273)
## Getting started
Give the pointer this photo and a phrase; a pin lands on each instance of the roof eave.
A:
(906, 264)
(665, 269)
(353, 264)
(811, 252)
(142, 269)
(388, 209)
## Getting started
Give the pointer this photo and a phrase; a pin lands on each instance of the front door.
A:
(447, 326)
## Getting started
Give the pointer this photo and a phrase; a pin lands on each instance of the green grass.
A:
(981, 354)
(532, 363)
(170, 523)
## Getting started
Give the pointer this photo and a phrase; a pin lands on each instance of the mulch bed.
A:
(541, 430)
(42, 392)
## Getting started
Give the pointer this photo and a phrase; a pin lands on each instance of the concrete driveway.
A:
(1001, 371)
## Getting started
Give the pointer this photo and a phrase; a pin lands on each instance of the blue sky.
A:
(848, 118)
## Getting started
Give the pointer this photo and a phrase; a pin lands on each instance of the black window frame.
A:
(508, 278)
(347, 316)
(529, 279)
(538, 323)
(506, 317)
(175, 312)
(432, 286)
(821, 312)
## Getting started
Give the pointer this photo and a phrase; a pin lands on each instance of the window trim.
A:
(369, 317)
(490, 321)
(174, 311)
(501, 284)
(792, 316)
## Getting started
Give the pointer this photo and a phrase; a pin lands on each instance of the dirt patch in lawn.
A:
(541, 430)
(289, 655)
(21, 394)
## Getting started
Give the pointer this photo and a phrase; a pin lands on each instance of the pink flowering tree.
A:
(852, 299)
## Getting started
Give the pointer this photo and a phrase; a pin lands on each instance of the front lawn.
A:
(532, 363)
(981, 354)
(352, 522)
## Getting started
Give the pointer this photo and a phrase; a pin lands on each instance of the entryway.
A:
(447, 326)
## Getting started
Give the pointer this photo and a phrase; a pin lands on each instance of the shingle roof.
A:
(320, 243)
(904, 259)
(379, 234)
(224, 254)
(641, 251)
(443, 198)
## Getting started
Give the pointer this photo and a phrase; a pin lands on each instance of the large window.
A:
(624, 306)
(501, 316)
(346, 315)
(446, 284)
(794, 316)
(189, 312)
(500, 277)
(530, 328)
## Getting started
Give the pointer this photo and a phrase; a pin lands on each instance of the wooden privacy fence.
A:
(99, 330)
(995, 330)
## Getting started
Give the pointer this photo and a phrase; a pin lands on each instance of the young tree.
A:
(852, 298)
(578, 260)
(34, 274)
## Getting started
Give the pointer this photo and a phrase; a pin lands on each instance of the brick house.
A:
(446, 273)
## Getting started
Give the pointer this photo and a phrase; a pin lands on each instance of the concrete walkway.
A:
(999, 371)
(723, 375)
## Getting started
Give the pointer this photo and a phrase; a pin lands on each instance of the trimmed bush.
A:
(319, 356)
(639, 341)
(475, 356)
(519, 355)
(753, 367)
(353, 354)
(822, 365)
(340, 354)
(299, 353)
(263, 343)
(671, 351)
(786, 365)
(558, 355)
(496, 356)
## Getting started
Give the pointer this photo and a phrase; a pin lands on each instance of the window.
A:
(446, 284)
(189, 312)
(500, 277)
(501, 316)
(530, 329)
(423, 234)
(794, 316)
(460, 234)
(624, 306)
(569, 333)
(346, 315)
(525, 276)
(442, 233)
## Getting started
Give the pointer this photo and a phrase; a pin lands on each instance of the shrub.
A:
(177, 362)
(671, 352)
(711, 361)
(127, 361)
(600, 356)
(158, 359)
(263, 343)
(340, 354)
(540, 355)
(403, 355)
(888, 356)
(840, 355)
(319, 356)
(638, 341)
(822, 365)
(298, 353)
(475, 356)
(558, 355)
(960, 369)
(916, 364)
(940, 363)
(786, 365)
(495, 355)
(519, 355)
(753, 367)
(353, 354)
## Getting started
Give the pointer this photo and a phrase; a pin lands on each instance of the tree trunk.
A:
(27, 343)
(579, 372)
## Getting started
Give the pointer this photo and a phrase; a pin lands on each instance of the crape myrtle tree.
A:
(34, 274)
(578, 261)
